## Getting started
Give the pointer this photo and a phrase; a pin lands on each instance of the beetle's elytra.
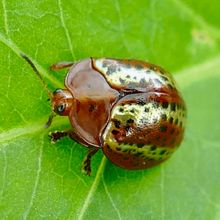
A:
(130, 109)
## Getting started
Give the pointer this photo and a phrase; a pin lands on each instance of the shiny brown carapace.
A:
(130, 109)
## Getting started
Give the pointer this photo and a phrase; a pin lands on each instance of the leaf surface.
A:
(39, 180)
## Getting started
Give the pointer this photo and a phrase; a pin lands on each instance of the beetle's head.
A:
(61, 98)
(62, 102)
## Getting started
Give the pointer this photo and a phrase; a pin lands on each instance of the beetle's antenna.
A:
(37, 73)
(44, 85)
(50, 119)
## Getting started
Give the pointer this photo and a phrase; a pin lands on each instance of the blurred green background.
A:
(39, 180)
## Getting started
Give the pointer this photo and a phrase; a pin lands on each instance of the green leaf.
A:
(39, 180)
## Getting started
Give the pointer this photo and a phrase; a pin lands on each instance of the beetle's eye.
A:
(57, 91)
(61, 107)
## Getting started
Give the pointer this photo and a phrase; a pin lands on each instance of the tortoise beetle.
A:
(130, 109)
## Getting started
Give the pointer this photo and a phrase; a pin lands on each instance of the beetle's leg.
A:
(61, 65)
(86, 167)
(57, 135)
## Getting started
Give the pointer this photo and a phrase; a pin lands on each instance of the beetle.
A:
(130, 109)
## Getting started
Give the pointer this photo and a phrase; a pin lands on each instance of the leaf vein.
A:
(121, 24)
(208, 198)
(197, 18)
(110, 198)
(199, 71)
(4, 173)
(25, 130)
(5, 17)
(66, 29)
(11, 45)
(162, 192)
(36, 183)
(92, 189)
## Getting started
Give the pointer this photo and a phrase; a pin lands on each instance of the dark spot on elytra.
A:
(164, 117)
(124, 150)
(155, 105)
(164, 78)
(176, 121)
(157, 81)
(130, 121)
(153, 68)
(173, 106)
(153, 148)
(181, 124)
(141, 102)
(127, 128)
(142, 156)
(142, 81)
(121, 110)
(140, 145)
(148, 71)
(146, 109)
(104, 64)
(117, 123)
(162, 71)
(165, 105)
(162, 152)
(138, 66)
(163, 128)
(172, 131)
(108, 148)
(144, 121)
(115, 132)
(148, 158)
(170, 86)
(128, 151)
(111, 69)
(155, 120)
(135, 77)
(91, 108)
(171, 120)
(127, 65)
(128, 76)
(118, 148)
(132, 110)
(138, 154)
(122, 81)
